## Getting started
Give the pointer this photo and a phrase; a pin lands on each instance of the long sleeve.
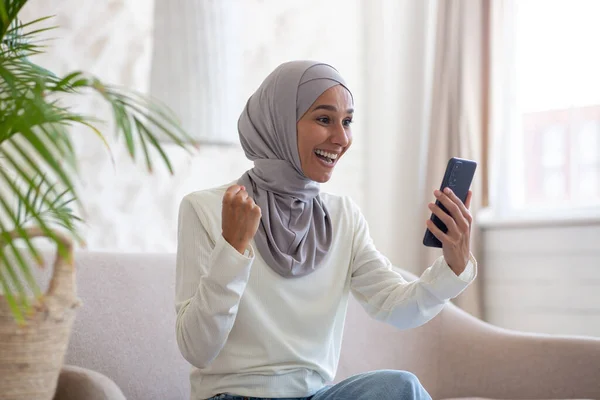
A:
(388, 297)
(210, 280)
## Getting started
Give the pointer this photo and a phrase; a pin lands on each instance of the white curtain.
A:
(428, 72)
(399, 38)
(460, 106)
(196, 65)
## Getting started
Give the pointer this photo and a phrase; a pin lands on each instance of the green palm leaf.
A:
(37, 156)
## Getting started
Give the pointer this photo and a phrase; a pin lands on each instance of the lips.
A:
(327, 154)
(327, 158)
(325, 161)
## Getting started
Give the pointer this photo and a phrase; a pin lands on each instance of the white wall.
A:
(128, 210)
(543, 276)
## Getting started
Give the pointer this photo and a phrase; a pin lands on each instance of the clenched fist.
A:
(240, 217)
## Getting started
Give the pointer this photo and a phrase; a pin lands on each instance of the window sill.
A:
(488, 218)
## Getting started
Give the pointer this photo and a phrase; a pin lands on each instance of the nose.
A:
(340, 135)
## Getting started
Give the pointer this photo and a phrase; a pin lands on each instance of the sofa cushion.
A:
(125, 328)
(75, 383)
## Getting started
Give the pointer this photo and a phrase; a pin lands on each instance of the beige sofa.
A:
(125, 332)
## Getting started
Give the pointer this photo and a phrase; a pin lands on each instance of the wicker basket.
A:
(32, 354)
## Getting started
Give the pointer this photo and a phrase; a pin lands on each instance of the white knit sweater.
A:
(248, 331)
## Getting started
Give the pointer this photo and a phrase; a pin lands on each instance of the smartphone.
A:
(458, 177)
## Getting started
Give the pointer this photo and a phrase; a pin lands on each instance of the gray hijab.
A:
(295, 231)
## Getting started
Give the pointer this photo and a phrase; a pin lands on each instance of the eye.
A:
(324, 120)
(347, 121)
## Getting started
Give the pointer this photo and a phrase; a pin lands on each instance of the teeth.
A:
(333, 156)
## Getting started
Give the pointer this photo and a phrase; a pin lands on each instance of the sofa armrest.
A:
(479, 359)
(76, 383)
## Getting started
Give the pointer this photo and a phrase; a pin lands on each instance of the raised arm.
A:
(211, 275)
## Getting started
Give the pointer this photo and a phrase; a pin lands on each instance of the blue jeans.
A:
(376, 385)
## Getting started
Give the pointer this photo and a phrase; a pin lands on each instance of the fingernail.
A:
(430, 205)
(437, 192)
(448, 190)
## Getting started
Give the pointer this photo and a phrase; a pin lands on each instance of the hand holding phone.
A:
(450, 223)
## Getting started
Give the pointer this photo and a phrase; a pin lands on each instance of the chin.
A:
(321, 178)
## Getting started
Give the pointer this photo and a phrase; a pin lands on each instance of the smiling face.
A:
(324, 133)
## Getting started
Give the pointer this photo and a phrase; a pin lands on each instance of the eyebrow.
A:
(331, 108)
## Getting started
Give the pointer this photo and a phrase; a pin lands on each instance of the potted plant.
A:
(38, 196)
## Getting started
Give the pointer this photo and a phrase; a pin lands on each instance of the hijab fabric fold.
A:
(295, 231)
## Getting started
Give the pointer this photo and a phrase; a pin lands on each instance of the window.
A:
(557, 90)
(562, 156)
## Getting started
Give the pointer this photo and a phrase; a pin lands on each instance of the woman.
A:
(265, 265)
